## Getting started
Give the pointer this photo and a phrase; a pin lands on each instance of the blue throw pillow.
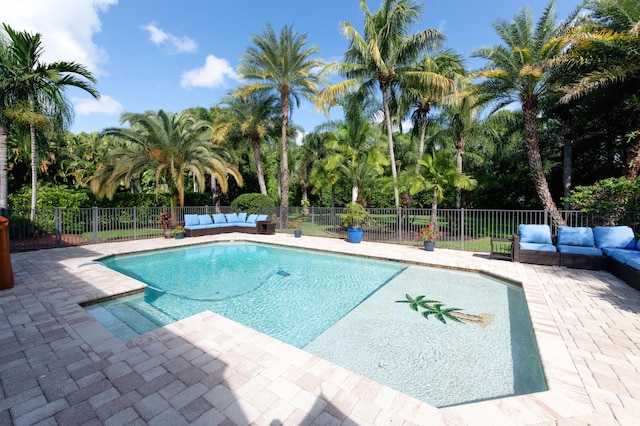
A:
(252, 218)
(232, 217)
(262, 217)
(537, 234)
(219, 218)
(242, 217)
(205, 219)
(191, 220)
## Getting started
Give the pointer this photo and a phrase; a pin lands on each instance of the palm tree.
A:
(171, 147)
(282, 65)
(4, 134)
(605, 52)
(439, 172)
(381, 58)
(515, 73)
(355, 151)
(39, 89)
(444, 69)
(253, 117)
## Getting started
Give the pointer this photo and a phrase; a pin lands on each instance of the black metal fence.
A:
(462, 229)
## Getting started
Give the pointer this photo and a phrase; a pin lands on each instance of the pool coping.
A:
(567, 396)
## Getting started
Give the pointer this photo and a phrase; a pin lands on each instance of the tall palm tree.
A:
(444, 69)
(172, 147)
(381, 58)
(283, 65)
(515, 72)
(254, 118)
(604, 52)
(355, 153)
(439, 172)
(5, 99)
(41, 86)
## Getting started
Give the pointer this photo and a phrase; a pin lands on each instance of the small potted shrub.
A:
(179, 232)
(353, 219)
(429, 234)
(296, 225)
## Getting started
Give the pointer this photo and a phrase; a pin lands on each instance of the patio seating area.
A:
(59, 365)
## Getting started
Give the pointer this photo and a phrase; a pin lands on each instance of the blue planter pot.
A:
(355, 235)
(429, 245)
(297, 233)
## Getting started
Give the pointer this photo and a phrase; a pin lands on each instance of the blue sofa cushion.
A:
(262, 217)
(569, 249)
(232, 217)
(219, 218)
(205, 219)
(242, 217)
(621, 255)
(245, 224)
(537, 234)
(634, 263)
(191, 219)
(537, 247)
(252, 219)
(614, 237)
(575, 236)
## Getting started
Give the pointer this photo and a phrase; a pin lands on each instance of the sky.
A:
(149, 55)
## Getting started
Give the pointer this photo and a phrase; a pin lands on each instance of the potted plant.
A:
(166, 222)
(296, 225)
(429, 234)
(179, 232)
(353, 218)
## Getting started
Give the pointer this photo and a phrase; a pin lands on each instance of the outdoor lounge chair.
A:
(533, 244)
(578, 249)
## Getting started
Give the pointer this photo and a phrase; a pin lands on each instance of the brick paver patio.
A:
(59, 366)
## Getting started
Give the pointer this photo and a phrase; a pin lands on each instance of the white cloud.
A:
(214, 73)
(66, 26)
(105, 105)
(177, 44)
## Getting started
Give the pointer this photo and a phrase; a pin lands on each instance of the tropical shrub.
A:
(252, 203)
(607, 195)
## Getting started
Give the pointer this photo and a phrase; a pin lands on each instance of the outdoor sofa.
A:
(611, 248)
(203, 224)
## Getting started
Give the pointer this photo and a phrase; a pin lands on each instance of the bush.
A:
(252, 203)
(608, 195)
(52, 197)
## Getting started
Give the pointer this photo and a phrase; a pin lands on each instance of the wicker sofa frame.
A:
(262, 227)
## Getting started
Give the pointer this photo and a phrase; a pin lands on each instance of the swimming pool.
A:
(469, 338)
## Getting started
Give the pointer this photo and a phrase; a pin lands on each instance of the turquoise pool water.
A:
(292, 295)
(470, 338)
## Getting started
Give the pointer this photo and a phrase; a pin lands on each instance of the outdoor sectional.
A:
(612, 248)
(203, 224)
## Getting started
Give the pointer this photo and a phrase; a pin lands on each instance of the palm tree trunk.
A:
(423, 132)
(285, 159)
(459, 151)
(434, 209)
(394, 172)
(4, 180)
(535, 162)
(567, 162)
(255, 143)
(34, 172)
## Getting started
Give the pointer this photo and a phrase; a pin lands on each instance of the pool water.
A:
(470, 337)
(292, 295)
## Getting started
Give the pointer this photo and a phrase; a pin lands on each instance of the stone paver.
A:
(59, 366)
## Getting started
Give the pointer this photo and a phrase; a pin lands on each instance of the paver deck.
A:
(59, 366)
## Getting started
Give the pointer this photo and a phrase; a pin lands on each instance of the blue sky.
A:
(172, 55)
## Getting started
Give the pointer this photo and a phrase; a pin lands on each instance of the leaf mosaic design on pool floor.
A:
(438, 311)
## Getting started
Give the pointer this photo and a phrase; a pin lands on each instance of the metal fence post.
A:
(58, 221)
(135, 223)
(95, 224)
(462, 229)
(313, 232)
